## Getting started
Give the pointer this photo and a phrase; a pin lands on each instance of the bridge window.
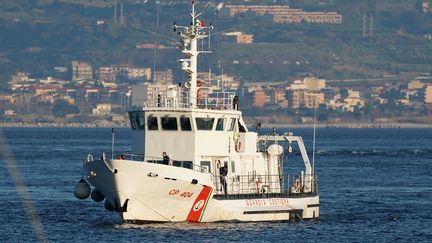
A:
(140, 120)
(232, 125)
(185, 123)
(132, 118)
(152, 123)
(184, 164)
(206, 164)
(204, 123)
(220, 125)
(136, 119)
(187, 164)
(169, 123)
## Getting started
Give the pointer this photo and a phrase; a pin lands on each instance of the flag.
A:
(199, 23)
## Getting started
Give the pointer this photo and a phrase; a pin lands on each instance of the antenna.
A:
(115, 11)
(157, 14)
(154, 63)
(190, 35)
(313, 146)
(121, 13)
(112, 144)
(364, 25)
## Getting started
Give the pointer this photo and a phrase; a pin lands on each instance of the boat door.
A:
(213, 165)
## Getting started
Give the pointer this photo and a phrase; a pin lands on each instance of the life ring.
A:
(238, 146)
(297, 186)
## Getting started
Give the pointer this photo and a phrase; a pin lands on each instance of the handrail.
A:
(156, 159)
(177, 97)
(266, 184)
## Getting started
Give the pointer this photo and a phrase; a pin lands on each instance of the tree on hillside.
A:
(62, 108)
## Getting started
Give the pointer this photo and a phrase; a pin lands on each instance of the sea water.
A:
(374, 185)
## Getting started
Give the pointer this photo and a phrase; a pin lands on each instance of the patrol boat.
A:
(217, 170)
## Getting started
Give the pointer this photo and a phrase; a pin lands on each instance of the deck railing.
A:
(157, 160)
(179, 97)
(254, 184)
(238, 184)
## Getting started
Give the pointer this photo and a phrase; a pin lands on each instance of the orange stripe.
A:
(198, 206)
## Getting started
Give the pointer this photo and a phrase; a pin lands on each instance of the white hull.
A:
(188, 143)
(172, 197)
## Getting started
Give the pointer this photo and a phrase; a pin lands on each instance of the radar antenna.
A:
(189, 36)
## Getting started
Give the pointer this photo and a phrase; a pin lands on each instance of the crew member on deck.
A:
(236, 102)
(166, 158)
(223, 172)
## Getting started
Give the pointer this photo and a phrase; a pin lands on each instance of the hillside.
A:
(40, 35)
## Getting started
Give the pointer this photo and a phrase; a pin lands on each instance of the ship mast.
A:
(189, 39)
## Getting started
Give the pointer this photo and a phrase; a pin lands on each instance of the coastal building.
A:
(139, 73)
(428, 94)
(354, 99)
(314, 84)
(415, 84)
(47, 98)
(260, 97)
(68, 99)
(302, 98)
(240, 37)
(297, 85)
(102, 109)
(45, 89)
(336, 102)
(295, 98)
(259, 10)
(107, 74)
(81, 71)
(308, 17)
(208, 79)
(283, 14)
(19, 77)
(163, 77)
(115, 73)
(9, 113)
(313, 99)
(227, 82)
(350, 102)
(278, 96)
(308, 83)
(150, 46)
(245, 39)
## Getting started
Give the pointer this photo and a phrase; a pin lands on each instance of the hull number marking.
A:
(180, 193)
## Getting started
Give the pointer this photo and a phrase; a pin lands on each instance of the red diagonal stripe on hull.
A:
(199, 205)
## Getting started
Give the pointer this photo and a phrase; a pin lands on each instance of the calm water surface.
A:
(375, 185)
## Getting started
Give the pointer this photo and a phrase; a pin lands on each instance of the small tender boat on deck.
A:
(215, 168)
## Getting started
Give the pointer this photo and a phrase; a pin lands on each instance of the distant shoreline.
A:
(351, 125)
(264, 125)
(61, 125)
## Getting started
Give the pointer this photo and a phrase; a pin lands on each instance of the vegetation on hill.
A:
(39, 35)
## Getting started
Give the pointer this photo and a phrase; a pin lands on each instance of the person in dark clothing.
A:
(235, 102)
(166, 158)
(223, 172)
